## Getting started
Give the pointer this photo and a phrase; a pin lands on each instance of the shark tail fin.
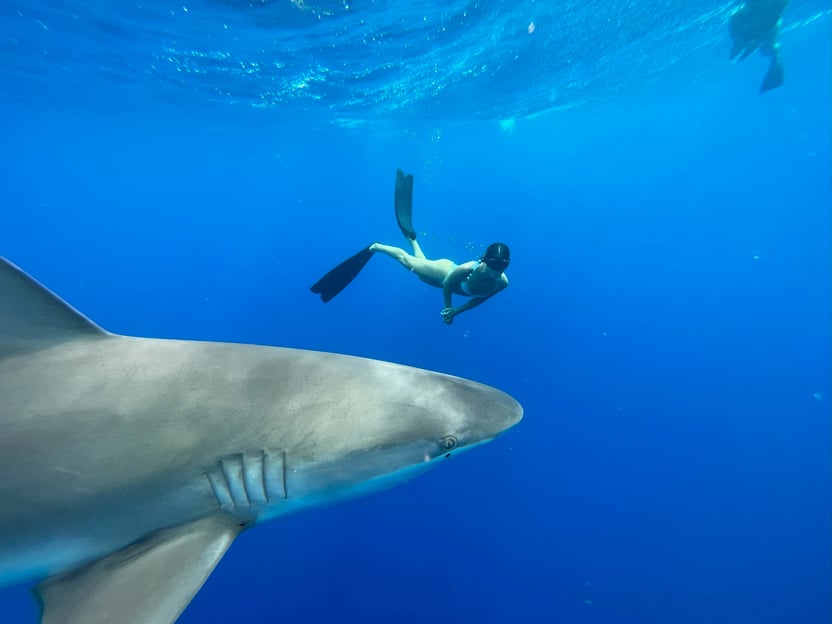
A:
(152, 580)
(31, 313)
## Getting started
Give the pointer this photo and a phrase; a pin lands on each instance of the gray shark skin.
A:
(129, 465)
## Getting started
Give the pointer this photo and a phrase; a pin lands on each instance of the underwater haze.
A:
(189, 170)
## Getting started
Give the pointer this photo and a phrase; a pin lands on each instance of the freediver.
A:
(477, 279)
(755, 25)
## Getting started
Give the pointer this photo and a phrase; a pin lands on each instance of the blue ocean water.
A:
(189, 169)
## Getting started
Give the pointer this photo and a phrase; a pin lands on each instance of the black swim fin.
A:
(339, 278)
(404, 203)
(774, 76)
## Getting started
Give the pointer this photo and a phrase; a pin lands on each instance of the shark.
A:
(129, 465)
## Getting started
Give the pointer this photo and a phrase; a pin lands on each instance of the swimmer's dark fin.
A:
(339, 278)
(404, 203)
(774, 75)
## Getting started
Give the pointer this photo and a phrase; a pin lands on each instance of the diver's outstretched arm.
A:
(448, 313)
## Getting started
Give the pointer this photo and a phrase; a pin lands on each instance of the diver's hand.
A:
(448, 315)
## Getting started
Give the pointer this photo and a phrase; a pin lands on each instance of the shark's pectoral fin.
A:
(151, 581)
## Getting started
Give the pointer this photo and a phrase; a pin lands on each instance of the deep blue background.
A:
(667, 330)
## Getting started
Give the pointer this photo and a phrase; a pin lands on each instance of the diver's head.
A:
(496, 257)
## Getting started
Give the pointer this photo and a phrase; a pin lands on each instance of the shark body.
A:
(129, 465)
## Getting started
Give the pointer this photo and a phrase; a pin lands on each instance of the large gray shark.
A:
(129, 465)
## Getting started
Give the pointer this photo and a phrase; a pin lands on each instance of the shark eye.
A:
(449, 443)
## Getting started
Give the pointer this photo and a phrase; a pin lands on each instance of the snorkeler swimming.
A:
(756, 25)
(477, 279)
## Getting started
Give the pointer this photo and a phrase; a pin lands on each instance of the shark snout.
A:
(490, 412)
(511, 413)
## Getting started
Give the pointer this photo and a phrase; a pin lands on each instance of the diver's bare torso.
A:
(475, 279)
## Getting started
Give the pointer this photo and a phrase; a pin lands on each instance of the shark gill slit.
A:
(264, 475)
(254, 475)
(227, 485)
(227, 482)
(243, 481)
(244, 475)
(220, 488)
(285, 489)
(232, 467)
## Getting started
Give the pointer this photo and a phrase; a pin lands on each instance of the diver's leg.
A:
(768, 45)
(395, 252)
(432, 272)
(417, 251)
(408, 260)
(775, 75)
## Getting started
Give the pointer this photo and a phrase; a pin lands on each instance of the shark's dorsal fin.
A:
(151, 581)
(31, 313)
